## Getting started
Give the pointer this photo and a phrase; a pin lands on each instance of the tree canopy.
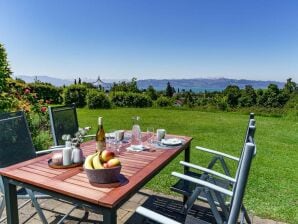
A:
(5, 71)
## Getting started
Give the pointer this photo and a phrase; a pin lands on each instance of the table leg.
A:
(186, 168)
(11, 201)
(110, 216)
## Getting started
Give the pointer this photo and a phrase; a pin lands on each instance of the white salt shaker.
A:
(67, 152)
(77, 155)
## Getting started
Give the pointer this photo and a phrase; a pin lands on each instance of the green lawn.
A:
(272, 190)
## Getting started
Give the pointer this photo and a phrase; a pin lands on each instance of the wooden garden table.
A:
(72, 184)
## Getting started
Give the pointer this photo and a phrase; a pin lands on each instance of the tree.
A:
(80, 81)
(89, 85)
(290, 86)
(75, 81)
(20, 80)
(169, 90)
(189, 100)
(5, 71)
(273, 97)
(232, 92)
(248, 97)
(151, 92)
(126, 86)
(261, 98)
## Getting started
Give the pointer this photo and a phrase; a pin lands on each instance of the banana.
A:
(88, 161)
(96, 162)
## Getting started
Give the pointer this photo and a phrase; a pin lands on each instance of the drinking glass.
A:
(119, 135)
(110, 139)
(150, 135)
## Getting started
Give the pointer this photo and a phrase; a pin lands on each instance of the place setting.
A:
(162, 141)
(155, 140)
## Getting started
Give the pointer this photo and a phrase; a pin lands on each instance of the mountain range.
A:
(195, 84)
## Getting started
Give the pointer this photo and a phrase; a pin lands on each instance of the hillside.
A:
(196, 85)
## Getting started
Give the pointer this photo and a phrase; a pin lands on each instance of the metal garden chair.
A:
(236, 194)
(221, 180)
(224, 180)
(64, 120)
(16, 146)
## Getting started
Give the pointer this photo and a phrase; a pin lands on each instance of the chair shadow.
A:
(172, 209)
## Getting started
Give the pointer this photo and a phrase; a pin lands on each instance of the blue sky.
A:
(253, 39)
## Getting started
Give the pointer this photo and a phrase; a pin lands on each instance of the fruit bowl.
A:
(103, 176)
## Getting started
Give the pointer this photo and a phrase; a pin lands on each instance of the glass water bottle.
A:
(136, 135)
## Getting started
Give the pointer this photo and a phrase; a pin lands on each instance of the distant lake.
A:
(194, 89)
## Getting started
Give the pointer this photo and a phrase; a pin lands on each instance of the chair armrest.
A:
(208, 171)
(217, 153)
(155, 216)
(52, 149)
(203, 183)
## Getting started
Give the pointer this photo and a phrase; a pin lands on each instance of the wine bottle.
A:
(100, 137)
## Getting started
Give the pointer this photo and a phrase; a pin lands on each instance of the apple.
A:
(105, 165)
(106, 155)
(113, 162)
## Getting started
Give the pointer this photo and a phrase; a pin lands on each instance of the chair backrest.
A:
(63, 120)
(251, 122)
(249, 138)
(15, 139)
(239, 189)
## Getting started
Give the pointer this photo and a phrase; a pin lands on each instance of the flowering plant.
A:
(79, 136)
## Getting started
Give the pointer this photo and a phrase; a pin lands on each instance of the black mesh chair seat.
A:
(186, 188)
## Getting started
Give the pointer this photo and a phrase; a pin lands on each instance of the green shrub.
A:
(7, 103)
(43, 140)
(141, 100)
(123, 99)
(97, 99)
(47, 92)
(75, 94)
(164, 102)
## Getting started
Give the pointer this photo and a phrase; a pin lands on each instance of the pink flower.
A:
(43, 109)
(27, 91)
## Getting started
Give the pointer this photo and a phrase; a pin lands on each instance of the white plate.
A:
(110, 135)
(171, 141)
(137, 148)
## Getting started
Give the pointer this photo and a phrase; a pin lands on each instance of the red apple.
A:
(113, 162)
(106, 155)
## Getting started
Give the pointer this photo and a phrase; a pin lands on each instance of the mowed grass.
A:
(272, 190)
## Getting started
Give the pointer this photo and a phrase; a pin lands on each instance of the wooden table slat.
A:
(47, 169)
(42, 173)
